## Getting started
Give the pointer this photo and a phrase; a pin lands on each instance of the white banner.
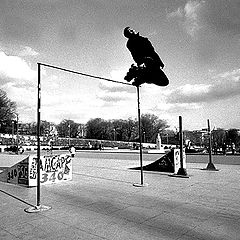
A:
(53, 169)
(177, 163)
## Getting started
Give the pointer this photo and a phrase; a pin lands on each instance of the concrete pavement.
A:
(102, 203)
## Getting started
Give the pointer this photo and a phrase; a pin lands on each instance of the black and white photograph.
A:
(120, 119)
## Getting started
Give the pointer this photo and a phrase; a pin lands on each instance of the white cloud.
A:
(176, 14)
(27, 51)
(112, 93)
(234, 74)
(17, 50)
(224, 86)
(25, 97)
(188, 16)
(192, 23)
(215, 15)
(15, 67)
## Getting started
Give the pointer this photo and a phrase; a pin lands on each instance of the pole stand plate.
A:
(140, 185)
(36, 209)
(210, 167)
(182, 172)
(178, 175)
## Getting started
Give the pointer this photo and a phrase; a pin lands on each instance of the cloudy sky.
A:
(199, 42)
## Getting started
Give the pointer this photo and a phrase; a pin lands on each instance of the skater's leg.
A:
(158, 77)
(154, 73)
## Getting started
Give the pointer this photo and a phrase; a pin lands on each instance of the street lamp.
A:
(13, 132)
(114, 134)
(17, 131)
(69, 129)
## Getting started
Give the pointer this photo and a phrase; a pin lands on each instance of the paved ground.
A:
(101, 203)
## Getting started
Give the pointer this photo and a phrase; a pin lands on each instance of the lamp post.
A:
(13, 121)
(12, 132)
(114, 134)
(144, 136)
(17, 134)
(69, 133)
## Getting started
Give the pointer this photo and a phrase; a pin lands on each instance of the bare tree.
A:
(7, 112)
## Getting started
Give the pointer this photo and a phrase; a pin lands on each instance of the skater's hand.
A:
(143, 65)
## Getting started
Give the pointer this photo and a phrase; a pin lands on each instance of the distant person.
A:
(224, 148)
(215, 148)
(149, 64)
(21, 150)
(233, 148)
(72, 151)
(50, 144)
(100, 146)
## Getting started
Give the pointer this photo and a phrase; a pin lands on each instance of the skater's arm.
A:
(152, 53)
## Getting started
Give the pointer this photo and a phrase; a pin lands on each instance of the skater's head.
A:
(129, 32)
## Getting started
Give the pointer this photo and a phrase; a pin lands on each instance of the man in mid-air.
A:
(149, 65)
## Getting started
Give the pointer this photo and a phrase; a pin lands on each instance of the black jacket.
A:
(140, 48)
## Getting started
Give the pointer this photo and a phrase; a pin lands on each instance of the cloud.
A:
(27, 51)
(219, 16)
(214, 27)
(223, 86)
(112, 99)
(25, 97)
(188, 16)
(14, 67)
(17, 50)
(114, 87)
(234, 75)
(111, 92)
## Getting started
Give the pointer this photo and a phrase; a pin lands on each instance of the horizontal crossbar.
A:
(83, 74)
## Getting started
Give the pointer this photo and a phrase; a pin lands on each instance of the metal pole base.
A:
(182, 172)
(140, 185)
(210, 167)
(37, 209)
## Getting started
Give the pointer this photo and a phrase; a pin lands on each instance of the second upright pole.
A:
(140, 141)
(181, 171)
(210, 165)
(38, 207)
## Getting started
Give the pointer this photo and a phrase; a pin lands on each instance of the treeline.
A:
(126, 130)
(97, 128)
(116, 129)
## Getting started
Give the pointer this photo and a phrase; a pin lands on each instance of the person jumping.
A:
(149, 65)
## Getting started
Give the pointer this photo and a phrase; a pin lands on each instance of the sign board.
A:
(18, 173)
(177, 163)
(53, 169)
